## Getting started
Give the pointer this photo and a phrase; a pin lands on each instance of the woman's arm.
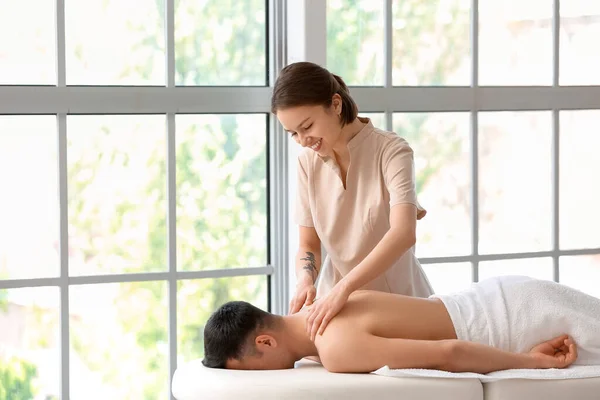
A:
(308, 265)
(308, 257)
(399, 238)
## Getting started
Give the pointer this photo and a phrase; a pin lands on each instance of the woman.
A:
(356, 197)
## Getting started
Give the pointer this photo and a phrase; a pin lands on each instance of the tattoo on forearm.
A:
(310, 264)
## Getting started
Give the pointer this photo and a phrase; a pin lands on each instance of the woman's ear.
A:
(266, 341)
(336, 103)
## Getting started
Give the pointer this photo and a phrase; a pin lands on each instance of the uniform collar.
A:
(359, 137)
(362, 134)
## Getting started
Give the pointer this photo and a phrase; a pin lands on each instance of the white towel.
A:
(572, 372)
(515, 313)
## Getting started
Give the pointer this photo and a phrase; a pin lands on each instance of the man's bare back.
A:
(371, 321)
(391, 316)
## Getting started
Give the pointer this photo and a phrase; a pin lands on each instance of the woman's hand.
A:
(305, 294)
(325, 309)
(559, 352)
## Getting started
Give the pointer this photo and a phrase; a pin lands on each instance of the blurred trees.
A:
(16, 378)
(221, 182)
(430, 46)
(221, 199)
(221, 187)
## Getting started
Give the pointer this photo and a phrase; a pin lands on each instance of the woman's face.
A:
(316, 127)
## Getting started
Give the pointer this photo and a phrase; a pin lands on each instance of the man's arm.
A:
(475, 357)
(362, 352)
(367, 353)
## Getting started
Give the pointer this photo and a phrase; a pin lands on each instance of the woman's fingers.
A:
(293, 306)
(297, 303)
(315, 326)
(313, 321)
(324, 323)
(310, 296)
(310, 319)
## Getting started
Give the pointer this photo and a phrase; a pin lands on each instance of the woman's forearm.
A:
(308, 262)
(391, 247)
(474, 357)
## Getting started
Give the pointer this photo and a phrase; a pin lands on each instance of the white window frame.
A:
(473, 99)
(297, 31)
(62, 100)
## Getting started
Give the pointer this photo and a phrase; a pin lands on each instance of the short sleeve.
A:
(303, 214)
(399, 174)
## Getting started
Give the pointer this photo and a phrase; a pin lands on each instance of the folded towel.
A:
(572, 372)
(515, 313)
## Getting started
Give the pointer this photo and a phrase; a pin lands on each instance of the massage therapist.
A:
(356, 197)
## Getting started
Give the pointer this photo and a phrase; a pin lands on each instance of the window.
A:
(146, 183)
(137, 154)
(503, 146)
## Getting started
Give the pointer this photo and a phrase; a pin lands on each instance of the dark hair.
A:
(227, 332)
(305, 83)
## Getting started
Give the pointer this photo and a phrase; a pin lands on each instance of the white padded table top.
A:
(527, 389)
(193, 381)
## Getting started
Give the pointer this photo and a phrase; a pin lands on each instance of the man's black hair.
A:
(227, 331)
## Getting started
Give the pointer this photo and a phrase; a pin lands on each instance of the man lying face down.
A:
(500, 323)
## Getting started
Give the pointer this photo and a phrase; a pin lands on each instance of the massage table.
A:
(309, 380)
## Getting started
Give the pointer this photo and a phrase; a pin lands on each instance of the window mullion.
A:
(474, 139)
(556, 141)
(306, 41)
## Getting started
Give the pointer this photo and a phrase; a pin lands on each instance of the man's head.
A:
(239, 335)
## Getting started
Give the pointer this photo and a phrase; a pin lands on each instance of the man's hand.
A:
(325, 309)
(559, 352)
(305, 294)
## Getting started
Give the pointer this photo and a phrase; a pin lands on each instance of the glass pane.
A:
(29, 212)
(29, 343)
(449, 278)
(539, 268)
(579, 32)
(579, 188)
(221, 191)
(442, 168)
(220, 42)
(355, 41)
(515, 190)
(431, 43)
(197, 299)
(515, 42)
(115, 42)
(582, 273)
(377, 119)
(119, 343)
(117, 194)
(27, 47)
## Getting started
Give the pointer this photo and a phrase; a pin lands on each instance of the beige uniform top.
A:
(350, 222)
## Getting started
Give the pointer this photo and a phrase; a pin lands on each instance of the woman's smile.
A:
(317, 145)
